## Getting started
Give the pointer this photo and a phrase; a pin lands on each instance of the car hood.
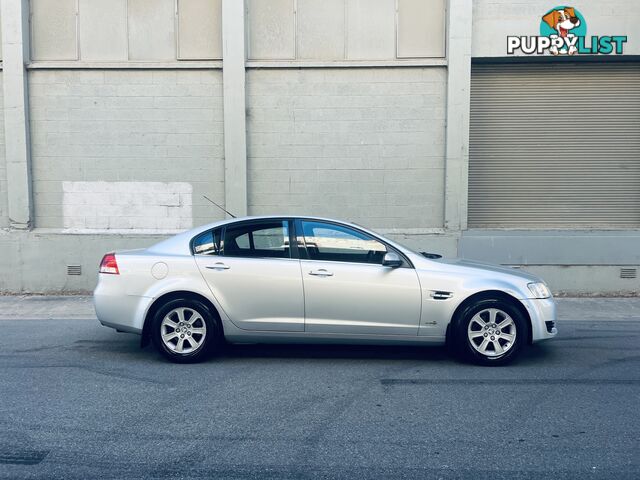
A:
(487, 267)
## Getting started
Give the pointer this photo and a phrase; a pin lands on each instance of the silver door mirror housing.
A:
(391, 259)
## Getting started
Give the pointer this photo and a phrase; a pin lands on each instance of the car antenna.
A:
(219, 206)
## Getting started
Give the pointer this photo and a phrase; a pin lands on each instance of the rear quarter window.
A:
(207, 243)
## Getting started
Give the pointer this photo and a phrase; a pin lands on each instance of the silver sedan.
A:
(282, 279)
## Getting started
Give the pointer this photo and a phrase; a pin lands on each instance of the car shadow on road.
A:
(318, 351)
(536, 354)
(532, 354)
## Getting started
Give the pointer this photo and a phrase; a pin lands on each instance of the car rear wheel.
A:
(491, 332)
(185, 331)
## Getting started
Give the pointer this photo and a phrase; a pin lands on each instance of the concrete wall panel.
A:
(581, 279)
(421, 26)
(132, 207)
(271, 27)
(371, 29)
(320, 29)
(362, 144)
(54, 30)
(103, 30)
(152, 33)
(552, 247)
(126, 126)
(199, 29)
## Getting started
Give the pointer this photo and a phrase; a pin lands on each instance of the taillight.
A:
(109, 264)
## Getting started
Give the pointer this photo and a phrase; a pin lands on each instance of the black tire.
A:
(200, 345)
(494, 340)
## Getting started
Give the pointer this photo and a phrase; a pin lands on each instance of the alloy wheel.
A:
(492, 332)
(183, 330)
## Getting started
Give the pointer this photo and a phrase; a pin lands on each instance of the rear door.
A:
(347, 290)
(254, 275)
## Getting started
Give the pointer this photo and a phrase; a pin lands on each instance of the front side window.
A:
(257, 240)
(335, 243)
(207, 243)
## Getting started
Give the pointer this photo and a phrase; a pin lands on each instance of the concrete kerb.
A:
(42, 307)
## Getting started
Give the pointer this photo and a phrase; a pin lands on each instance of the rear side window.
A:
(207, 243)
(257, 240)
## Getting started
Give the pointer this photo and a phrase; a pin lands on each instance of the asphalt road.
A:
(78, 400)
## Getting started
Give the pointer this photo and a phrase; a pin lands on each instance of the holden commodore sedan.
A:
(315, 280)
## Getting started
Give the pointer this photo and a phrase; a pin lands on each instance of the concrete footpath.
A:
(38, 307)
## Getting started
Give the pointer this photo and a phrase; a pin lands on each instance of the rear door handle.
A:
(218, 266)
(321, 273)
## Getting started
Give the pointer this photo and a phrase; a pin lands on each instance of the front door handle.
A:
(321, 273)
(218, 266)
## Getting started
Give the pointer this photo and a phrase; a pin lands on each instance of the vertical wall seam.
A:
(459, 31)
(234, 106)
(15, 32)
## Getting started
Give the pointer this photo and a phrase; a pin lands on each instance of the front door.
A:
(253, 276)
(347, 290)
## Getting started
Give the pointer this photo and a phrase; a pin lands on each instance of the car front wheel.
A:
(184, 331)
(491, 332)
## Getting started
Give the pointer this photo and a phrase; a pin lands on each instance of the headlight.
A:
(539, 290)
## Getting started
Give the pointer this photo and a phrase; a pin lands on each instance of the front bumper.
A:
(543, 318)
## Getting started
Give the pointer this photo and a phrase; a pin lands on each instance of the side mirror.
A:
(391, 259)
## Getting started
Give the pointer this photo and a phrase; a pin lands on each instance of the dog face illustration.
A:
(562, 20)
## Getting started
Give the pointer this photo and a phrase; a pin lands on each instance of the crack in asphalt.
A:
(108, 373)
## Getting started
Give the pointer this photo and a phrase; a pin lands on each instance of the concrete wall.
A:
(494, 20)
(123, 30)
(4, 214)
(362, 144)
(345, 29)
(362, 116)
(126, 127)
(586, 279)
(37, 261)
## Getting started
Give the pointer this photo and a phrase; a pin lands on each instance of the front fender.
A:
(443, 293)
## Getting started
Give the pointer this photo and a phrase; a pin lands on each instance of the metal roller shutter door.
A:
(555, 146)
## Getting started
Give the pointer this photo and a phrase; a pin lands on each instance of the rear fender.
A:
(181, 285)
(182, 276)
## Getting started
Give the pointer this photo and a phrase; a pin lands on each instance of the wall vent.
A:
(628, 272)
(74, 270)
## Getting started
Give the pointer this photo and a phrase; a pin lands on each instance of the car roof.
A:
(267, 217)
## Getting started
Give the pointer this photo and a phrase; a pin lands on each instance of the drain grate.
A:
(628, 273)
(74, 270)
(22, 457)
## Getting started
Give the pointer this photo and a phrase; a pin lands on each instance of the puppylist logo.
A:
(563, 31)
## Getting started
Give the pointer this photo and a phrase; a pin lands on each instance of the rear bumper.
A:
(118, 310)
(543, 318)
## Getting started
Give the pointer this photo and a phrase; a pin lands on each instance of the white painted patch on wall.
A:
(127, 207)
